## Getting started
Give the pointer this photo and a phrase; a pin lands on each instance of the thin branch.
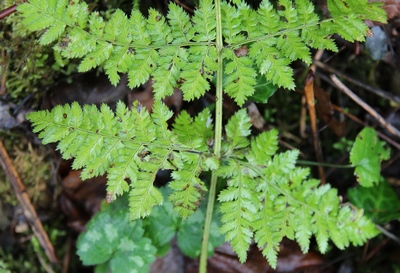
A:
(25, 202)
(378, 92)
(388, 234)
(184, 6)
(6, 12)
(366, 107)
(354, 118)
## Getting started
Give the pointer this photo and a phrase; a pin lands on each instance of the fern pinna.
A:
(227, 43)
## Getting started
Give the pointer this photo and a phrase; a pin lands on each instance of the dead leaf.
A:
(325, 112)
(80, 200)
(86, 88)
(290, 259)
(310, 99)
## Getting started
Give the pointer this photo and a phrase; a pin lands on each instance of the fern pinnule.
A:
(238, 207)
(240, 77)
(237, 132)
(204, 22)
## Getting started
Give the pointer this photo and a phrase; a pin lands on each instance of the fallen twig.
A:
(354, 118)
(366, 107)
(6, 12)
(25, 202)
(378, 92)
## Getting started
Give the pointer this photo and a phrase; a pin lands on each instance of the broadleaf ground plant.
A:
(227, 45)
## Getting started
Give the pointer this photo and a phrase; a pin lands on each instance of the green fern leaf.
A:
(249, 17)
(240, 80)
(95, 58)
(197, 72)
(272, 64)
(117, 29)
(138, 27)
(268, 17)
(231, 24)
(159, 31)
(267, 197)
(181, 27)
(52, 33)
(204, 22)
(263, 147)
(131, 146)
(348, 16)
(171, 62)
(188, 188)
(142, 67)
(238, 209)
(119, 62)
(270, 198)
(237, 131)
(162, 46)
(292, 46)
(35, 15)
(194, 133)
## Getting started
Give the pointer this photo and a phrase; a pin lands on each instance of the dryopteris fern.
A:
(267, 197)
(181, 50)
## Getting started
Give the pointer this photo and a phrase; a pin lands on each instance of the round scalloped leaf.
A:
(112, 239)
(366, 155)
(380, 203)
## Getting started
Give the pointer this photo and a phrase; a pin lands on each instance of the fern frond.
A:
(263, 147)
(179, 51)
(249, 18)
(131, 146)
(35, 18)
(269, 198)
(142, 67)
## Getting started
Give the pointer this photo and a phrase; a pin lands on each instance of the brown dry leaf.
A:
(325, 112)
(310, 99)
(256, 118)
(146, 97)
(86, 89)
(173, 261)
(80, 200)
(290, 259)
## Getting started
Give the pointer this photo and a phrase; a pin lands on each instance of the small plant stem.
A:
(311, 163)
(217, 142)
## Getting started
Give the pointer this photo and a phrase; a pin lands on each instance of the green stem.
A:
(312, 163)
(217, 142)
